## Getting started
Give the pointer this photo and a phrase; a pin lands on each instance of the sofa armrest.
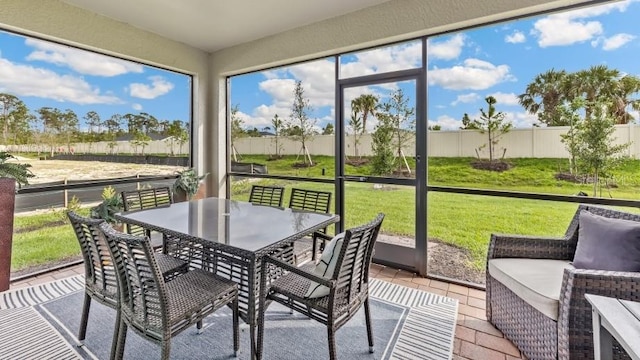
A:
(574, 312)
(532, 247)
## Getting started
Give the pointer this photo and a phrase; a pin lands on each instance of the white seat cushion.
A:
(325, 267)
(536, 281)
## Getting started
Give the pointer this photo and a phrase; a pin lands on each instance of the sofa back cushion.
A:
(607, 243)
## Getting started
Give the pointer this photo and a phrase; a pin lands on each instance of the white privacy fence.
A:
(532, 142)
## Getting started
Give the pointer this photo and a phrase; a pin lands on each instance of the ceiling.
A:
(212, 25)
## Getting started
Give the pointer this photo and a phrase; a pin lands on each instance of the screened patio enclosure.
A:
(186, 39)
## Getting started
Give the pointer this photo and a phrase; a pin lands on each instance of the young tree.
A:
(278, 128)
(401, 118)
(12, 109)
(300, 120)
(596, 153)
(355, 123)
(68, 127)
(569, 114)
(493, 124)
(383, 162)
(237, 130)
(140, 139)
(174, 130)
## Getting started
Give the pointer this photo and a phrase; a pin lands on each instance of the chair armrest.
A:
(574, 312)
(323, 238)
(296, 270)
(533, 247)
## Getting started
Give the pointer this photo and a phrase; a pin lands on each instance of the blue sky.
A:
(43, 73)
(463, 68)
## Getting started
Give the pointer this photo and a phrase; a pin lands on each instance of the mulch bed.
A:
(495, 165)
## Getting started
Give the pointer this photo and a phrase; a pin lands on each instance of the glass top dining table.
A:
(237, 224)
(229, 238)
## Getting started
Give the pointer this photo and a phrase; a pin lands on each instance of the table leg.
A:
(602, 340)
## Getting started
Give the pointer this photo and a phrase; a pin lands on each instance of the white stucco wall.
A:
(58, 21)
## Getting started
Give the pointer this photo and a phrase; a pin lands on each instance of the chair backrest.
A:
(145, 199)
(352, 268)
(572, 231)
(266, 195)
(100, 274)
(141, 286)
(310, 200)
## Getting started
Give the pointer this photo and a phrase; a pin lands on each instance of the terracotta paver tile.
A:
(458, 357)
(40, 280)
(509, 357)
(456, 346)
(472, 311)
(421, 281)
(433, 290)
(464, 333)
(481, 325)
(64, 274)
(476, 352)
(497, 343)
(477, 294)
(388, 272)
(402, 274)
(404, 282)
(462, 299)
(19, 285)
(439, 284)
(458, 289)
(475, 302)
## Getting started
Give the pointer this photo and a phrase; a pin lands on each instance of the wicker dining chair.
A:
(309, 200)
(348, 285)
(100, 274)
(266, 195)
(142, 199)
(568, 332)
(159, 310)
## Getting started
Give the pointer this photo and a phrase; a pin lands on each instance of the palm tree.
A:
(545, 94)
(627, 87)
(367, 104)
(598, 84)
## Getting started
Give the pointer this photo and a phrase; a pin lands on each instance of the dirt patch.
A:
(495, 165)
(443, 259)
(357, 162)
(57, 170)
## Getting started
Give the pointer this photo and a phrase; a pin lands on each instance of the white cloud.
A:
(446, 50)
(474, 74)
(466, 98)
(159, 86)
(521, 119)
(136, 107)
(23, 80)
(572, 27)
(615, 41)
(386, 59)
(515, 38)
(506, 99)
(446, 122)
(81, 61)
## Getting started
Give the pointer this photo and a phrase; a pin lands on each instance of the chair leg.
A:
(84, 318)
(367, 317)
(122, 338)
(199, 326)
(166, 349)
(332, 342)
(261, 312)
(116, 333)
(236, 327)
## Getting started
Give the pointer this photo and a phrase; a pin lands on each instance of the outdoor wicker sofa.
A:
(535, 296)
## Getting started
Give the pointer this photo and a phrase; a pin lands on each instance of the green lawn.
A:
(463, 220)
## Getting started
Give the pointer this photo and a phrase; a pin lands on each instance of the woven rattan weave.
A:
(349, 285)
(536, 335)
(145, 199)
(158, 310)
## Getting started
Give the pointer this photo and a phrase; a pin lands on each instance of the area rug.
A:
(407, 324)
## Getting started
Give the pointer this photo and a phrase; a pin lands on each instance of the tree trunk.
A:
(7, 199)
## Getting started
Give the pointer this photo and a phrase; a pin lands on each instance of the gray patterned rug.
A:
(407, 324)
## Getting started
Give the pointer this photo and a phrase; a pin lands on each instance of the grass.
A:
(465, 221)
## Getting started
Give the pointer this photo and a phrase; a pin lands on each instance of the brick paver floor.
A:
(475, 339)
